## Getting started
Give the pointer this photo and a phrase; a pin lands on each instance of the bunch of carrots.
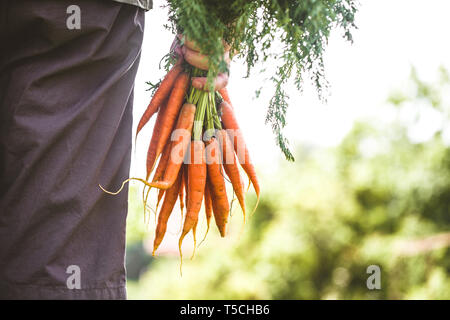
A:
(195, 147)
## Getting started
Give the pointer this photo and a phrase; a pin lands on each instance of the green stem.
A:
(199, 116)
(209, 125)
(216, 118)
(219, 97)
(206, 106)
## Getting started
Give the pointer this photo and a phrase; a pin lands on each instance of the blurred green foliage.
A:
(378, 198)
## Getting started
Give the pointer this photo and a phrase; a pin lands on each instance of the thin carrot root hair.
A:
(257, 198)
(181, 224)
(256, 206)
(194, 229)
(244, 216)
(222, 172)
(231, 204)
(123, 185)
(180, 242)
(143, 199)
(243, 223)
(152, 210)
(145, 205)
(208, 223)
(206, 233)
(181, 254)
(231, 208)
(157, 204)
(146, 184)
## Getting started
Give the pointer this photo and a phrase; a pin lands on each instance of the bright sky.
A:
(391, 37)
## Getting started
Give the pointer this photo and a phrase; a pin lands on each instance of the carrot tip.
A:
(256, 206)
(195, 244)
(206, 233)
(181, 254)
(123, 185)
(249, 184)
(223, 231)
(109, 192)
(145, 205)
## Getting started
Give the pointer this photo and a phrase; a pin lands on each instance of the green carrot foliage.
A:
(252, 27)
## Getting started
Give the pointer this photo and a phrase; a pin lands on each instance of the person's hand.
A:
(191, 53)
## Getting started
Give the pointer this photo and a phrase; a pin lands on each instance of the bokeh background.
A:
(370, 184)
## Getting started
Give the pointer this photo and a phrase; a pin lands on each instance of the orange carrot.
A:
(151, 153)
(219, 215)
(159, 173)
(224, 93)
(169, 202)
(181, 193)
(194, 232)
(221, 207)
(160, 169)
(160, 95)
(231, 167)
(208, 207)
(230, 123)
(168, 119)
(186, 179)
(160, 196)
(179, 147)
(196, 186)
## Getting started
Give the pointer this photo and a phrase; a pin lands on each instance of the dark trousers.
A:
(65, 127)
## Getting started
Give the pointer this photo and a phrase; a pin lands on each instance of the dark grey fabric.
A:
(65, 126)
